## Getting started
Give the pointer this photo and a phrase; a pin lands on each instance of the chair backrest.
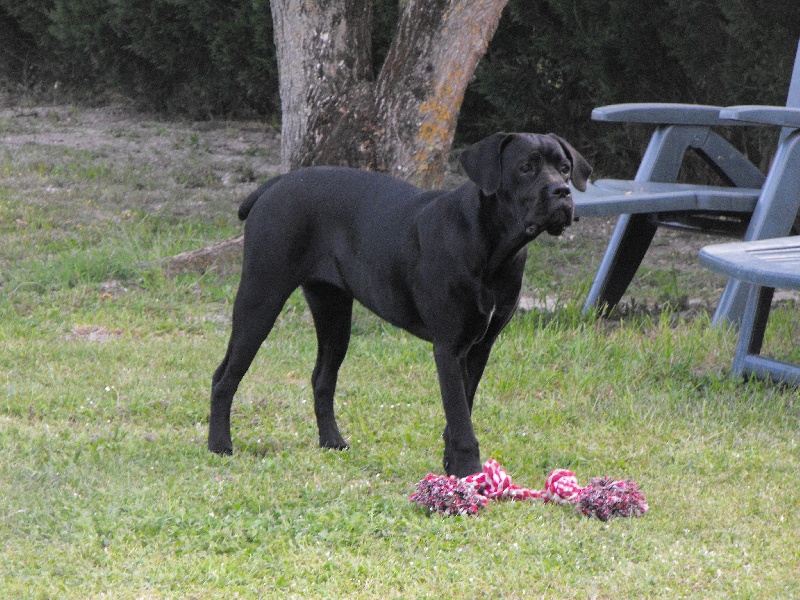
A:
(793, 97)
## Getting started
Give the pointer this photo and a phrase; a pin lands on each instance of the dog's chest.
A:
(491, 313)
(490, 306)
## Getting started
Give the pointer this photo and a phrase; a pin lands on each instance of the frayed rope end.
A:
(448, 496)
(605, 498)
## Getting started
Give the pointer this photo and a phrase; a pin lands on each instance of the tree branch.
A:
(199, 261)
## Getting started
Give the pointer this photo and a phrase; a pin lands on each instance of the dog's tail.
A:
(247, 204)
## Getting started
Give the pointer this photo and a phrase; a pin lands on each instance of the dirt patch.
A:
(118, 130)
(94, 333)
(206, 168)
(180, 168)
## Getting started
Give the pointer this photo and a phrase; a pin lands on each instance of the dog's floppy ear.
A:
(481, 162)
(580, 168)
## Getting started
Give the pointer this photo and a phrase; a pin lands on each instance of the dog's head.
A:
(528, 174)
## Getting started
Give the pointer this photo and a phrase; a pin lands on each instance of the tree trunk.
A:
(433, 55)
(325, 67)
(336, 112)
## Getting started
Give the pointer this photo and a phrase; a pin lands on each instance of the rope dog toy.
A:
(603, 498)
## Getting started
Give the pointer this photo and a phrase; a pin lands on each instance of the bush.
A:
(549, 64)
(197, 58)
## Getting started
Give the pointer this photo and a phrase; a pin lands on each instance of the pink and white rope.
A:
(603, 498)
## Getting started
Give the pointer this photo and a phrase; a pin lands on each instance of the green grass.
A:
(107, 490)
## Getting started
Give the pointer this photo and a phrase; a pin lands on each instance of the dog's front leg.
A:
(461, 452)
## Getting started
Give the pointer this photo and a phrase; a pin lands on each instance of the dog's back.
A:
(334, 181)
(334, 205)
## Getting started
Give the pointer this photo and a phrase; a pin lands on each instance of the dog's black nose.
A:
(560, 191)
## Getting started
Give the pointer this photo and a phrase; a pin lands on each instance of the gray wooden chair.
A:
(765, 265)
(751, 207)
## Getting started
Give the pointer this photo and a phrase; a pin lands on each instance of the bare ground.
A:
(207, 168)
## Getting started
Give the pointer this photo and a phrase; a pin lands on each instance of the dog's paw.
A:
(334, 445)
(221, 451)
(333, 442)
(220, 446)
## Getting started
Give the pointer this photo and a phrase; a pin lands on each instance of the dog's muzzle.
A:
(561, 217)
(562, 209)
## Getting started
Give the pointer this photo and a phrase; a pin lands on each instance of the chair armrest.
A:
(763, 115)
(661, 114)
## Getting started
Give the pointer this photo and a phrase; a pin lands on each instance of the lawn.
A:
(106, 487)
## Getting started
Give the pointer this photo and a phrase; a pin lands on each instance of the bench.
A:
(765, 265)
(751, 207)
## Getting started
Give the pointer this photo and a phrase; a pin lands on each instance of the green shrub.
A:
(195, 58)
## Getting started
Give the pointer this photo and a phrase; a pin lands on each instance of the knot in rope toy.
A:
(603, 498)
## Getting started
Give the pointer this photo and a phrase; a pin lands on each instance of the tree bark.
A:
(325, 68)
(337, 112)
(435, 50)
(200, 260)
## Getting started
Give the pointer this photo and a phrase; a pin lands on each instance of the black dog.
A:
(444, 265)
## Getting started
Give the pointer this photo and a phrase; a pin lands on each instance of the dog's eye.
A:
(531, 164)
(565, 169)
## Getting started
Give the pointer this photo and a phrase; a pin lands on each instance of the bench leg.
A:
(632, 236)
(754, 324)
(732, 303)
(629, 243)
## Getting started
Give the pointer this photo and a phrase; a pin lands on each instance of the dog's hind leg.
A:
(332, 310)
(254, 315)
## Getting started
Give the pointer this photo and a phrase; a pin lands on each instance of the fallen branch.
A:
(200, 260)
